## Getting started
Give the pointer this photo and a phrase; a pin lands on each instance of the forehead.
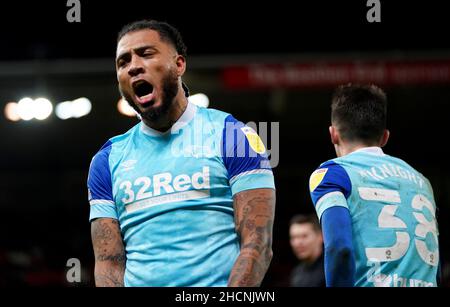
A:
(301, 228)
(136, 39)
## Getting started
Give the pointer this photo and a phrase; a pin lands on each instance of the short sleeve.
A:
(245, 158)
(99, 186)
(329, 186)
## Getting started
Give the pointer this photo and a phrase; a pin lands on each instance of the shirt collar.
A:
(374, 150)
(183, 121)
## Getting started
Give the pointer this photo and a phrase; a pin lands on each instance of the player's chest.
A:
(139, 176)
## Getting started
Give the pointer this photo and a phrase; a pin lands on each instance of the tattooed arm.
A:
(254, 215)
(109, 253)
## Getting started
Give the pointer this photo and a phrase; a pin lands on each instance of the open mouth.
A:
(144, 92)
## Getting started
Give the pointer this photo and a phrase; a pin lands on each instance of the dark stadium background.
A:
(43, 165)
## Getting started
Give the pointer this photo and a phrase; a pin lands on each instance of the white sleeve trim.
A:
(255, 171)
(321, 204)
(101, 202)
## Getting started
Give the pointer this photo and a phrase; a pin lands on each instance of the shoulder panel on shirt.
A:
(213, 114)
(99, 178)
(329, 177)
(125, 137)
(244, 155)
(242, 149)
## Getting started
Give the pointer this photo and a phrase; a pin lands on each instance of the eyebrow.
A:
(136, 50)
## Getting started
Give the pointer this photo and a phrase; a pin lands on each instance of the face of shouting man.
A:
(149, 71)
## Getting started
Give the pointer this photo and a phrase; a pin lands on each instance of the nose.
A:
(136, 66)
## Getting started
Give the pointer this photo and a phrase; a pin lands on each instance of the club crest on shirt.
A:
(254, 140)
(316, 178)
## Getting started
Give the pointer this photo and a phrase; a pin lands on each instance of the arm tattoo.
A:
(109, 252)
(254, 215)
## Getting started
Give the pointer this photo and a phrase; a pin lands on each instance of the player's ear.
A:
(384, 138)
(180, 61)
(334, 134)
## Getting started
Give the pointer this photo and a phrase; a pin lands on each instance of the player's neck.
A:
(166, 121)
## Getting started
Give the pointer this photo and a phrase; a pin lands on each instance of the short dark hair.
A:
(166, 32)
(359, 112)
(306, 219)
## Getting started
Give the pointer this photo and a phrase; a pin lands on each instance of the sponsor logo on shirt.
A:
(164, 188)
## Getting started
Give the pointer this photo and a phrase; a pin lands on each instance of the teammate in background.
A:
(378, 214)
(186, 197)
(307, 244)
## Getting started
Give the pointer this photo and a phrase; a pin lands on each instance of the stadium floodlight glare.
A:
(42, 108)
(81, 107)
(124, 108)
(11, 112)
(25, 108)
(200, 100)
(63, 110)
(73, 109)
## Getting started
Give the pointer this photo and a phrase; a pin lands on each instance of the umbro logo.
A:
(127, 165)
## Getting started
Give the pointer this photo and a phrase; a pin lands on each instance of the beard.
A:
(169, 91)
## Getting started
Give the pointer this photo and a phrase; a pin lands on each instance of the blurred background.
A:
(276, 62)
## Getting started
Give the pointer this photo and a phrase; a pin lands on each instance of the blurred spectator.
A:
(307, 244)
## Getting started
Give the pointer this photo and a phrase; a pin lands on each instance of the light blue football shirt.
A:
(172, 194)
(393, 212)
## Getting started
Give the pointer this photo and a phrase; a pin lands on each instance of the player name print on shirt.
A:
(383, 171)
